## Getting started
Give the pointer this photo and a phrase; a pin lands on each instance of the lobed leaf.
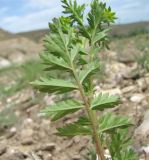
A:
(54, 63)
(110, 122)
(60, 109)
(84, 121)
(100, 35)
(96, 14)
(54, 85)
(60, 114)
(54, 45)
(104, 101)
(91, 69)
(73, 130)
(64, 105)
(74, 10)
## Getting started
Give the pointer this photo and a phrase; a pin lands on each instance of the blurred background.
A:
(124, 71)
(24, 15)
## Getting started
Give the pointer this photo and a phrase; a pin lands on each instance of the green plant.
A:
(143, 62)
(72, 47)
(7, 118)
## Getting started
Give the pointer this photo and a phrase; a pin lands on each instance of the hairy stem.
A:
(92, 116)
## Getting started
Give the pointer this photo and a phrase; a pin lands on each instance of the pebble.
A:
(27, 141)
(137, 98)
(12, 132)
(128, 89)
(146, 149)
(48, 157)
(76, 157)
(2, 150)
(48, 147)
(25, 133)
(4, 63)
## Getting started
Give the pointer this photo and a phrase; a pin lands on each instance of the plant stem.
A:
(92, 116)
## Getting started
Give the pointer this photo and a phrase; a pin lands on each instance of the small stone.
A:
(13, 154)
(27, 141)
(9, 100)
(4, 63)
(27, 133)
(12, 132)
(137, 98)
(17, 113)
(20, 155)
(49, 147)
(76, 157)
(128, 89)
(114, 91)
(48, 157)
(28, 121)
(2, 150)
(146, 149)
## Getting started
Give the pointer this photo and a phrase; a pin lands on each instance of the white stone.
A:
(146, 149)
(4, 63)
(137, 98)
(13, 130)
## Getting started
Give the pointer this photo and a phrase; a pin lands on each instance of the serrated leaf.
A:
(84, 121)
(54, 45)
(100, 35)
(81, 127)
(54, 85)
(75, 12)
(64, 105)
(60, 114)
(91, 69)
(110, 122)
(104, 101)
(95, 14)
(60, 109)
(54, 63)
(73, 130)
(74, 52)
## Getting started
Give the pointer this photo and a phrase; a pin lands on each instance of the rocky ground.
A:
(25, 135)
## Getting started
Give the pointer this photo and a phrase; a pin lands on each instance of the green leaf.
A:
(60, 109)
(54, 63)
(100, 35)
(96, 14)
(104, 101)
(74, 10)
(73, 130)
(64, 105)
(83, 121)
(54, 45)
(110, 122)
(91, 69)
(54, 85)
(100, 14)
(74, 52)
(60, 114)
(81, 127)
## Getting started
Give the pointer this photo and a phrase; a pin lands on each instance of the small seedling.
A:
(72, 49)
